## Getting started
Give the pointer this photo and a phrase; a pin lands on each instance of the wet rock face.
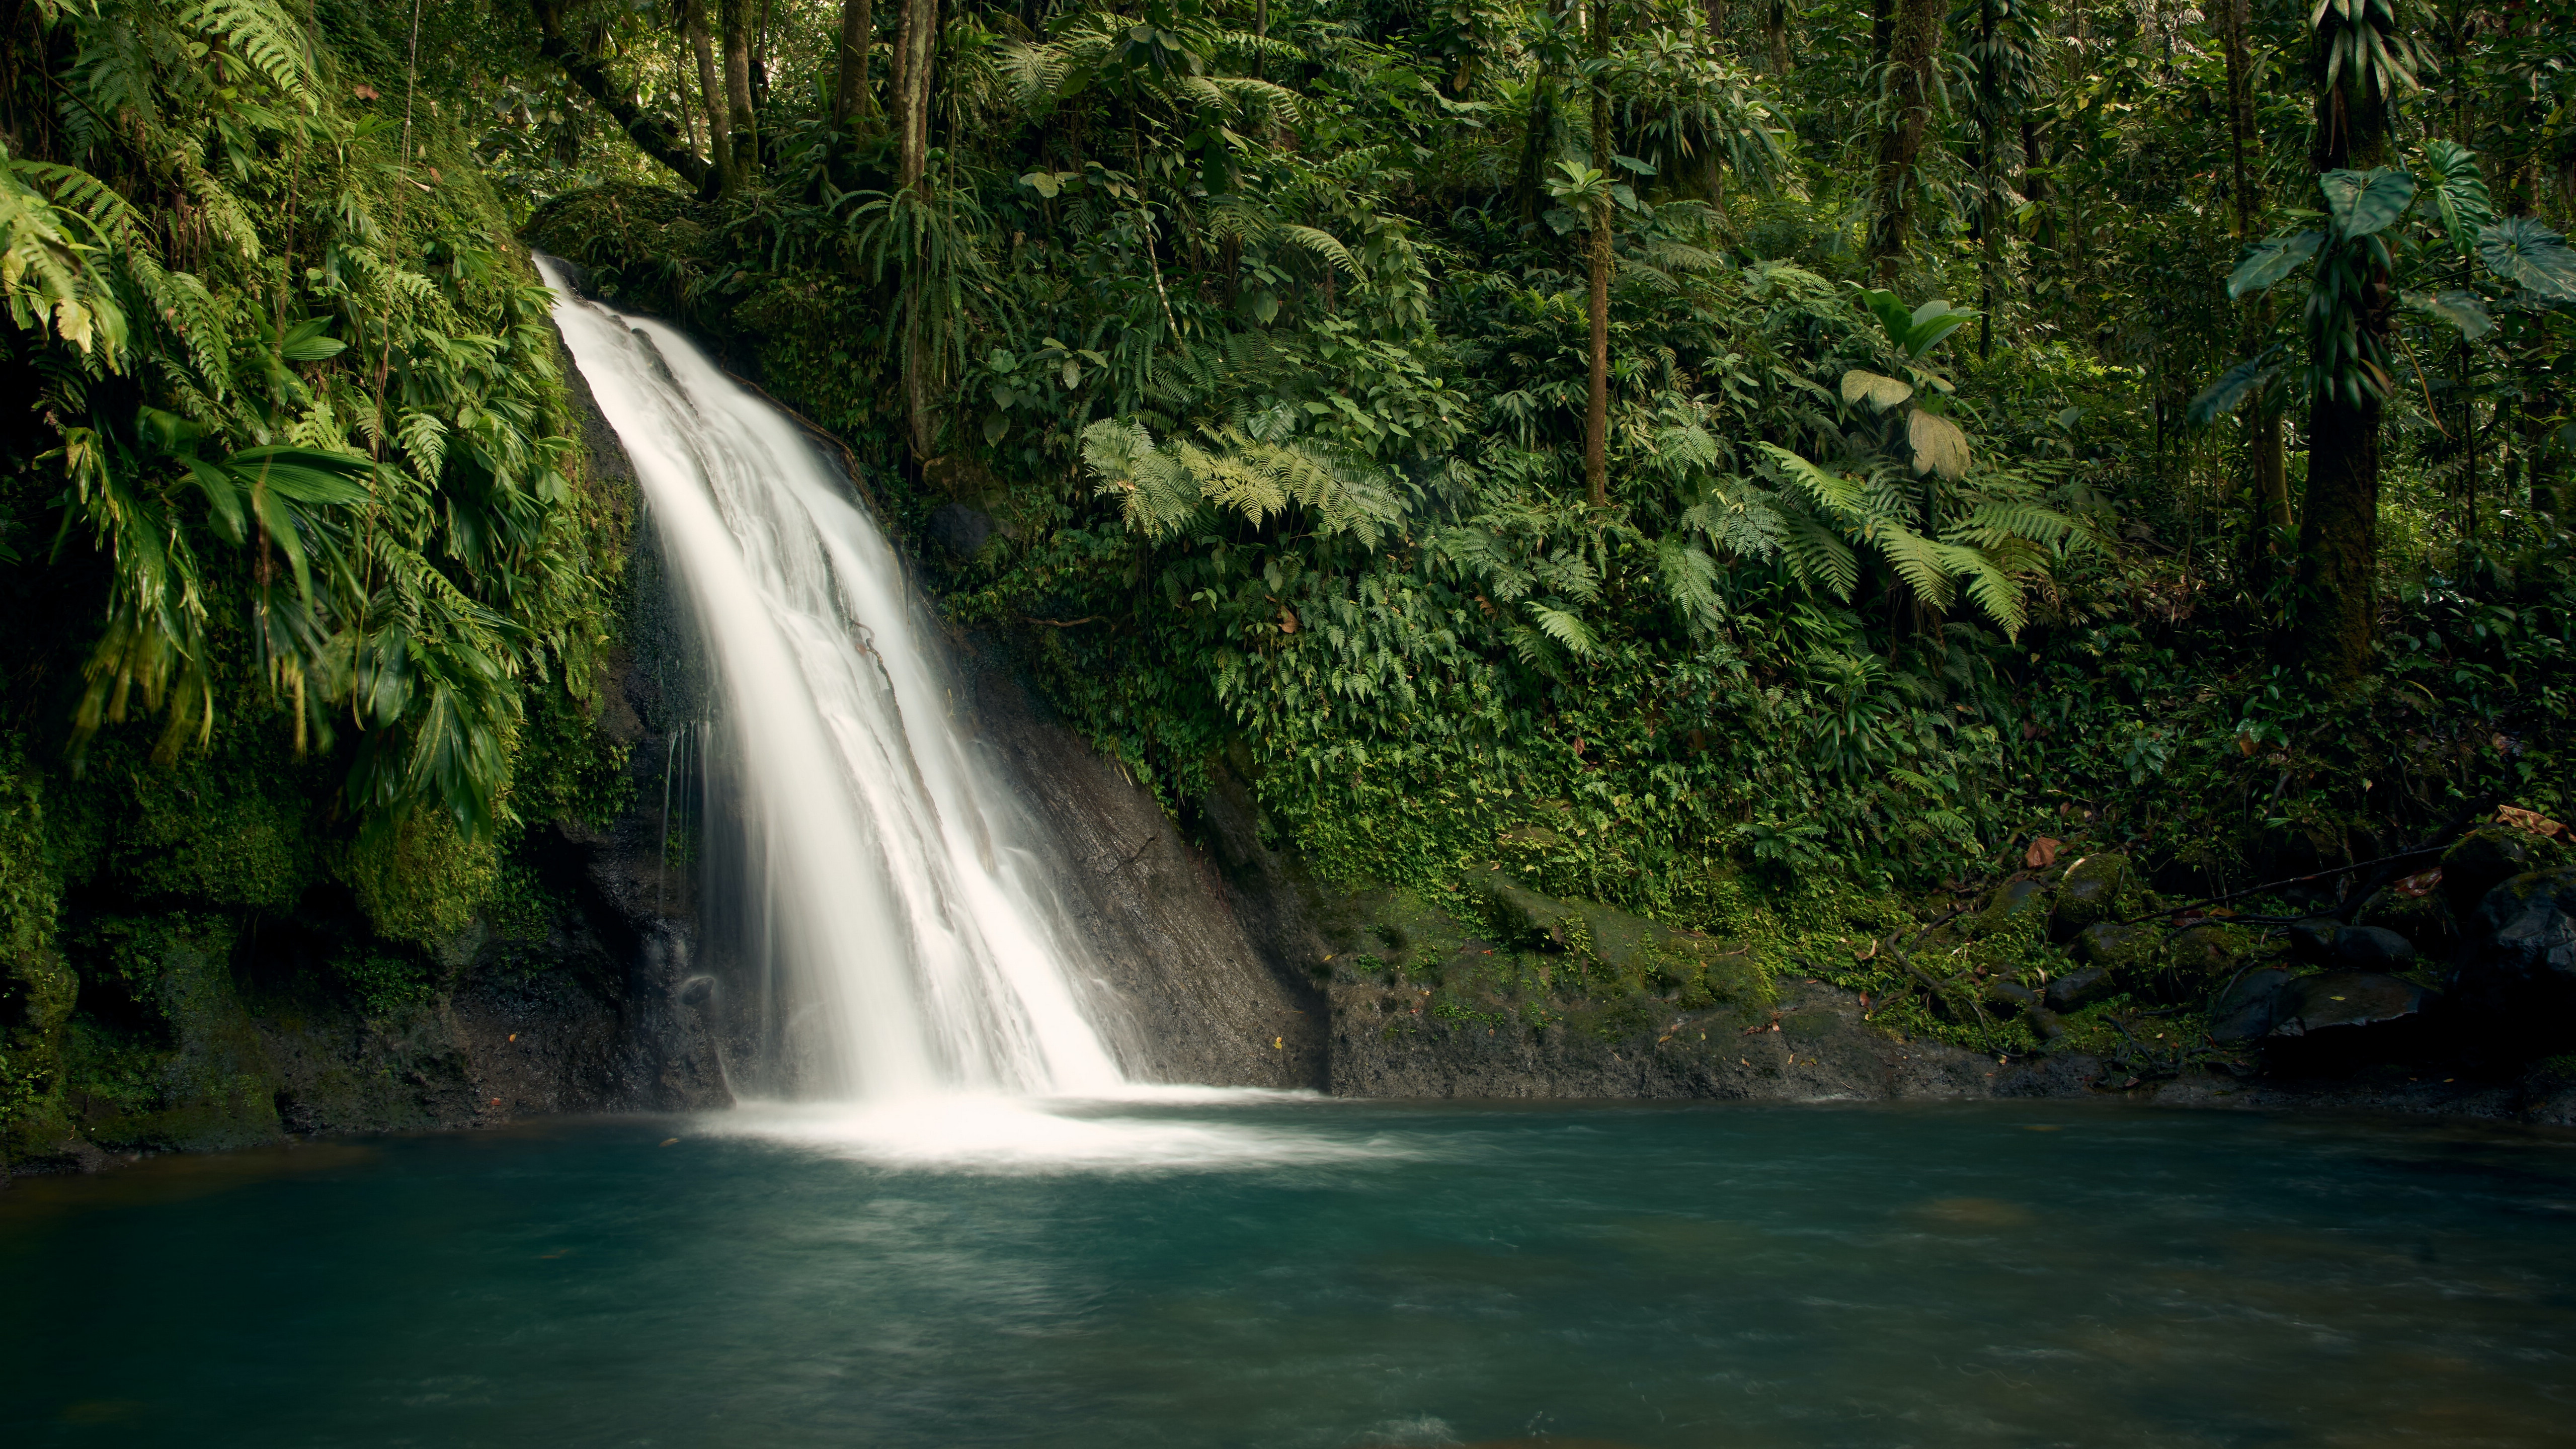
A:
(1206, 954)
(1812, 1044)
(960, 529)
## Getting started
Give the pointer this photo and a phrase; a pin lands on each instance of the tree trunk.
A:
(693, 20)
(1914, 39)
(1990, 169)
(650, 133)
(1596, 411)
(2338, 598)
(2240, 116)
(1775, 35)
(915, 48)
(735, 16)
(1715, 10)
(2271, 469)
(850, 91)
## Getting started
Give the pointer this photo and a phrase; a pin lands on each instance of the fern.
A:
(263, 37)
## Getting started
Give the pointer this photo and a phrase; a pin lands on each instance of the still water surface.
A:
(1344, 1274)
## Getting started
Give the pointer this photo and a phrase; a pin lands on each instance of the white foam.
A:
(1025, 1135)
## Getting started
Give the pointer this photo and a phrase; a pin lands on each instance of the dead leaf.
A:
(2042, 853)
(1881, 393)
(1287, 620)
(1939, 446)
(2420, 884)
(2245, 745)
(2531, 820)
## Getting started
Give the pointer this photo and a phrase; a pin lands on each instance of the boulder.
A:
(2312, 941)
(2089, 895)
(2246, 1010)
(2013, 994)
(2080, 987)
(2373, 948)
(2010, 901)
(2329, 999)
(2210, 951)
(2489, 856)
(2415, 910)
(2519, 962)
(2110, 944)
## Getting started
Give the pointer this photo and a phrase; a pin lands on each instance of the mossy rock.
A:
(2424, 919)
(2124, 950)
(2011, 903)
(2090, 894)
(2488, 857)
(1615, 953)
(1520, 916)
(2211, 948)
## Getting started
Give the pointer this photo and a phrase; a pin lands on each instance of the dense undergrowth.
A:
(307, 583)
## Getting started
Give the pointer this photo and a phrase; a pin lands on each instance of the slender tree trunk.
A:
(1596, 411)
(850, 91)
(915, 48)
(711, 93)
(2338, 581)
(1990, 170)
(1775, 35)
(2271, 469)
(1914, 40)
(735, 17)
(1715, 10)
(2240, 115)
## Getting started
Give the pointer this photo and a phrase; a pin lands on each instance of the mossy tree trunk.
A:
(2336, 616)
(1914, 39)
(736, 18)
(850, 90)
(711, 92)
(915, 49)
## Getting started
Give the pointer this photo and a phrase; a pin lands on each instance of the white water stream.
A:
(927, 983)
(916, 940)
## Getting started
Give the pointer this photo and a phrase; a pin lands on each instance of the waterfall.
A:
(912, 939)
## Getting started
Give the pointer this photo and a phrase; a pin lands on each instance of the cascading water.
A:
(916, 946)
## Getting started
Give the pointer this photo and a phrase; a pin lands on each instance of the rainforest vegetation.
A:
(1663, 448)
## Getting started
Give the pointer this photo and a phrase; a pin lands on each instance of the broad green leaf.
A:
(2464, 310)
(2234, 387)
(2459, 191)
(2364, 202)
(1881, 393)
(2268, 261)
(306, 341)
(2525, 252)
(1939, 446)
